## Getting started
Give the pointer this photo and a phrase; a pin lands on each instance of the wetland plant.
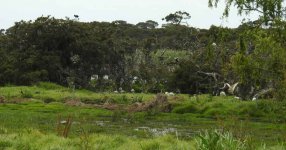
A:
(216, 140)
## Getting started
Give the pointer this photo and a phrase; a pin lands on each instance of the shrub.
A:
(137, 86)
(216, 140)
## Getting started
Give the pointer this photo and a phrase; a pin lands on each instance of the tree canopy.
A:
(269, 10)
(177, 17)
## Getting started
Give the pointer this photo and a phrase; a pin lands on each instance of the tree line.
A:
(108, 56)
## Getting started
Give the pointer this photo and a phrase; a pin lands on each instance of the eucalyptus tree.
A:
(178, 17)
(269, 10)
(260, 62)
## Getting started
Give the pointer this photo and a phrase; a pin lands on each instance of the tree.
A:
(260, 63)
(152, 24)
(149, 24)
(269, 10)
(177, 17)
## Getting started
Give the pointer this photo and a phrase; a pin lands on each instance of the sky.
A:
(132, 11)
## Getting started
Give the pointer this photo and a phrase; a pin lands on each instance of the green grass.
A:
(35, 140)
(216, 140)
(52, 92)
(38, 109)
(204, 106)
(36, 115)
(208, 140)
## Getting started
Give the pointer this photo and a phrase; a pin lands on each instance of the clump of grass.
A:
(3, 130)
(49, 86)
(26, 94)
(137, 99)
(122, 100)
(117, 115)
(49, 100)
(151, 146)
(188, 108)
(216, 140)
(5, 144)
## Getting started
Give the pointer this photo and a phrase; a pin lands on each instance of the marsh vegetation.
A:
(33, 115)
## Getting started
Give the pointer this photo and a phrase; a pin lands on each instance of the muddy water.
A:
(257, 131)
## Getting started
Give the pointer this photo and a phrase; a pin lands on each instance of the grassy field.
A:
(37, 117)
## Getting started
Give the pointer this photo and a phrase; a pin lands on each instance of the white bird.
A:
(171, 94)
(237, 97)
(230, 88)
(63, 122)
(222, 93)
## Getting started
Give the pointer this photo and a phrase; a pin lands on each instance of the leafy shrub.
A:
(137, 86)
(216, 140)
